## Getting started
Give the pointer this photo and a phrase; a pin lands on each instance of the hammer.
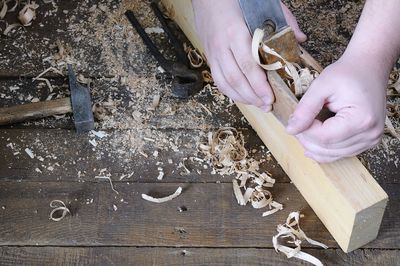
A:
(79, 104)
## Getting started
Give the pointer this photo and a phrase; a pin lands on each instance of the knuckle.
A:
(233, 79)
(247, 66)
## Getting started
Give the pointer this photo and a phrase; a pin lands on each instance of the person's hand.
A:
(356, 93)
(227, 44)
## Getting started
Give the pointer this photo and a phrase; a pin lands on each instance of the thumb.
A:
(308, 108)
(291, 20)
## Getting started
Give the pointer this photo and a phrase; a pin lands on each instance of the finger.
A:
(307, 109)
(266, 108)
(322, 159)
(334, 130)
(291, 20)
(223, 85)
(254, 74)
(316, 150)
(236, 79)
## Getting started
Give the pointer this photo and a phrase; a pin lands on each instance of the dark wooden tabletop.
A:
(109, 228)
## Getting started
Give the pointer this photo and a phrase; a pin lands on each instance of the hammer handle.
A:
(20, 113)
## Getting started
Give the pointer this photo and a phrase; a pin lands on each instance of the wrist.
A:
(371, 61)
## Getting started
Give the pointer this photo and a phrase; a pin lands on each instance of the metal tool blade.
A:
(81, 104)
(257, 12)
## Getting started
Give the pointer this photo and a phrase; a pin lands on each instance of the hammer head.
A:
(81, 104)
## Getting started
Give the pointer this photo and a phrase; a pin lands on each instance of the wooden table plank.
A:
(118, 153)
(40, 256)
(171, 112)
(212, 219)
(98, 37)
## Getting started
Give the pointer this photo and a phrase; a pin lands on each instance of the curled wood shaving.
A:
(395, 85)
(109, 179)
(291, 229)
(164, 199)
(207, 76)
(4, 9)
(195, 58)
(390, 128)
(301, 77)
(28, 13)
(226, 153)
(58, 206)
(10, 27)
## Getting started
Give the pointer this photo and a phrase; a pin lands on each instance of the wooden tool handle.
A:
(20, 113)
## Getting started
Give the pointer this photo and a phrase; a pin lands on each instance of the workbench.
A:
(204, 225)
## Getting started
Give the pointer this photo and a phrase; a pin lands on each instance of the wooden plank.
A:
(353, 203)
(40, 256)
(118, 153)
(213, 217)
(171, 112)
(101, 43)
(114, 153)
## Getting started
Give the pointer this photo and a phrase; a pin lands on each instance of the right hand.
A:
(227, 44)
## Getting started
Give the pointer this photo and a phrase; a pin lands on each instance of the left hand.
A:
(356, 93)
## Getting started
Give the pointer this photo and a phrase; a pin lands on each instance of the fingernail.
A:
(267, 100)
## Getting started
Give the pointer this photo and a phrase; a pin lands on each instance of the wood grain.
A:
(116, 155)
(40, 256)
(213, 217)
(31, 111)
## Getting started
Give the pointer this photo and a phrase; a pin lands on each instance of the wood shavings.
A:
(395, 85)
(205, 109)
(102, 110)
(195, 58)
(99, 134)
(390, 128)
(238, 194)
(10, 27)
(93, 142)
(155, 30)
(47, 83)
(291, 229)
(50, 69)
(30, 153)
(28, 13)
(58, 206)
(155, 102)
(226, 153)
(109, 179)
(160, 173)
(164, 199)
(82, 79)
(207, 77)
(4, 9)
(302, 77)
